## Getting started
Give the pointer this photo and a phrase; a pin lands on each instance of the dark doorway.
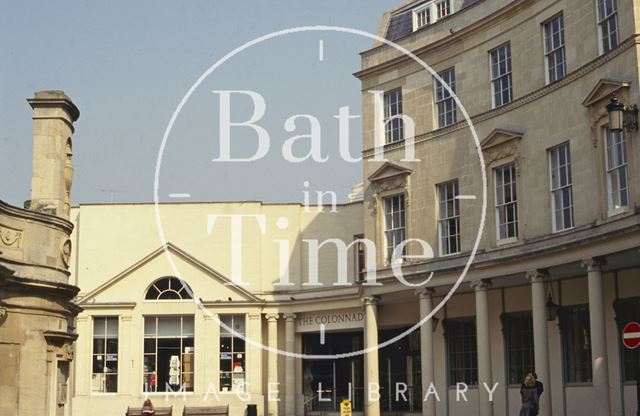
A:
(329, 381)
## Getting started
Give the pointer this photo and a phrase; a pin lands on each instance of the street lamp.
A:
(621, 117)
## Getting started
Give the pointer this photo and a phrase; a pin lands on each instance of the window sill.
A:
(579, 384)
(450, 254)
(564, 230)
(99, 394)
(618, 211)
(506, 241)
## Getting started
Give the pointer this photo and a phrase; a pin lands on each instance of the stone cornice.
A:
(519, 102)
(109, 305)
(35, 216)
(575, 239)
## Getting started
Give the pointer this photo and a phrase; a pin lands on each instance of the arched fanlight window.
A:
(168, 288)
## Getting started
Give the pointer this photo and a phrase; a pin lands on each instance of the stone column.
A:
(372, 383)
(540, 336)
(484, 345)
(426, 350)
(273, 390)
(254, 367)
(290, 377)
(599, 364)
(299, 377)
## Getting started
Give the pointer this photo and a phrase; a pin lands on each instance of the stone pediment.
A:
(603, 90)
(387, 171)
(389, 177)
(499, 137)
(501, 144)
(152, 266)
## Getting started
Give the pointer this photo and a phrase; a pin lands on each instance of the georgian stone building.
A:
(37, 327)
(562, 193)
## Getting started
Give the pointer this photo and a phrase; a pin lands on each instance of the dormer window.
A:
(430, 12)
(444, 8)
(422, 17)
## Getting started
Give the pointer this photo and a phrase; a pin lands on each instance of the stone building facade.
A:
(37, 315)
(534, 79)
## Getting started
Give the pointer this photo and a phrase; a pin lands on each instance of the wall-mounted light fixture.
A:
(622, 117)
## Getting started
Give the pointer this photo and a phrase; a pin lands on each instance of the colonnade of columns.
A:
(538, 280)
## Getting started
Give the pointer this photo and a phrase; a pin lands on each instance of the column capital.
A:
(425, 292)
(289, 316)
(480, 285)
(594, 264)
(537, 276)
(272, 317)
(370, 300)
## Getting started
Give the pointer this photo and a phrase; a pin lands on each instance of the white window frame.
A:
(606, 20)
(393, 228)
(428, 9)
(443, 5)
(445, 217)
(444, 99)
(497, 78)
(620, 167)
(559, 188)
(433, 9)
(156, 336)
(390, 118)
(104, 336)
(502, 204)
(224, 333)
(554, 51)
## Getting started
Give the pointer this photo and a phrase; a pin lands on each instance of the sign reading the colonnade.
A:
(314, 322)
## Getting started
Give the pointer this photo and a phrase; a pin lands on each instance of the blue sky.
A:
(127, 65)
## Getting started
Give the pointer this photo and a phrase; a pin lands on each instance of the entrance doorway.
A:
(328, 382)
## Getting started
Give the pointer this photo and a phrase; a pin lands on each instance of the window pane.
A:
(169, 326)
(187, 325)
(99, 327)
(112, 327)
(150, 325)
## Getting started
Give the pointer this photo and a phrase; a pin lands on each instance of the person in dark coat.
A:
(539, 385)
(529, 394)
(147, 408)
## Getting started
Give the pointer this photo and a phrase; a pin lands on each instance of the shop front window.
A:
(460, 336)
(104, 376)
(232, 353)
(168, 353)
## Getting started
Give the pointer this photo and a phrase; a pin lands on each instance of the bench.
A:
(206, 411)
(160, 411)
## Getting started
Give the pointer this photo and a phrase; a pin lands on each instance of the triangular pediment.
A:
(388, 170)
(155, 265)
(498, 137)
(603, 90)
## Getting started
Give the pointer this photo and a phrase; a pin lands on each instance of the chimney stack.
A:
(53, 116)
